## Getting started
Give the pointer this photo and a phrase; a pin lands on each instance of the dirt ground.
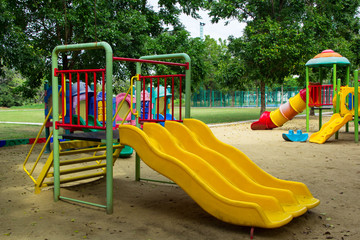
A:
(153, 211)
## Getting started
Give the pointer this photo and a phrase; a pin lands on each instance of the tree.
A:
(9, 81)
(281, 35)
(33, 28)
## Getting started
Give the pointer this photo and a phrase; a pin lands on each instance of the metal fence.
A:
(252, 98)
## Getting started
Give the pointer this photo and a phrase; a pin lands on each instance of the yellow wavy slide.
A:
(219, 187)
(331, 127)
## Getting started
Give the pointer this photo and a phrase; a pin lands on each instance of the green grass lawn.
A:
(36, 115)
(23, 115)
(16, 131)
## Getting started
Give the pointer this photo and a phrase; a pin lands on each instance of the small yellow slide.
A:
(331, 127)
(215, 181)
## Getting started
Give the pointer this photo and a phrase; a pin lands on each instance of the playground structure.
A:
(342, 99)
(219, 177)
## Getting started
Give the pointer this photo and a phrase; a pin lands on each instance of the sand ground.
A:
(151, 211)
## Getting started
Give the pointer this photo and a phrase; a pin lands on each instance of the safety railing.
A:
(74, 93)
(320, 95)
(158, 95)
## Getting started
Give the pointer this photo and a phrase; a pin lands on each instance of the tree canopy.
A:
(33, 28)
(281, 35)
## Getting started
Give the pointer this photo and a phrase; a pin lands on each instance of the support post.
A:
(334, 83)
(337, 110)
(356, 105)
(307, 99)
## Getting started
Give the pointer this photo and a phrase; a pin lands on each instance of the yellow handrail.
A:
(33, 145)
(131, 101)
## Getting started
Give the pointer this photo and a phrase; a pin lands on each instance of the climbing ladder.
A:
(79, 160)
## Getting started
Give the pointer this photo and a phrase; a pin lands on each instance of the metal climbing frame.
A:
(67, 122)
(108, 126)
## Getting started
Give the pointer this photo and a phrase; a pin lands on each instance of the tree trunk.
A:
(233, 98)
(312, 112)
(262, 98)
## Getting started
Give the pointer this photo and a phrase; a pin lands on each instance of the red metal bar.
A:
(78, 98)
(156, 120)
(143, 100)
(95, 100)
(158, 99)
(86, 99)
(70, 97)
(103, 97)
(66, 125)
(162, 76)
(63, 84)
(151, 103)
(165, 100)
(172, 98)
(186, 65)
(180, 90)
(57, 71)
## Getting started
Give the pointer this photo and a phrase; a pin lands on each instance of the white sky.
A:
(215, 31)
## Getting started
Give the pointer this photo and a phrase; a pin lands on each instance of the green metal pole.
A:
(109, 129)
(307, 99)
(337, 110)
(55, 99)
(138, 105)
(356, 106)
(320, 108)
(334, 83)
(347, 84)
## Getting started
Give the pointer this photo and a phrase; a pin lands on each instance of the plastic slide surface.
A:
(248, 167)
(329, 128)
(223, 191)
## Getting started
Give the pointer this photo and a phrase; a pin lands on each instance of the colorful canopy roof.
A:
(327, 58)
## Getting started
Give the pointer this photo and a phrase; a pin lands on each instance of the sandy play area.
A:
(152, 211)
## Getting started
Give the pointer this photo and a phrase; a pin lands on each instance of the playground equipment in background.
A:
(326, 59)
(286, 112)
(319, 96)
(229, 186)
(346, 104)
(299, 136)
(344, 98)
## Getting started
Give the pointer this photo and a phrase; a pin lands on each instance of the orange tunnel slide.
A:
(286, 112)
